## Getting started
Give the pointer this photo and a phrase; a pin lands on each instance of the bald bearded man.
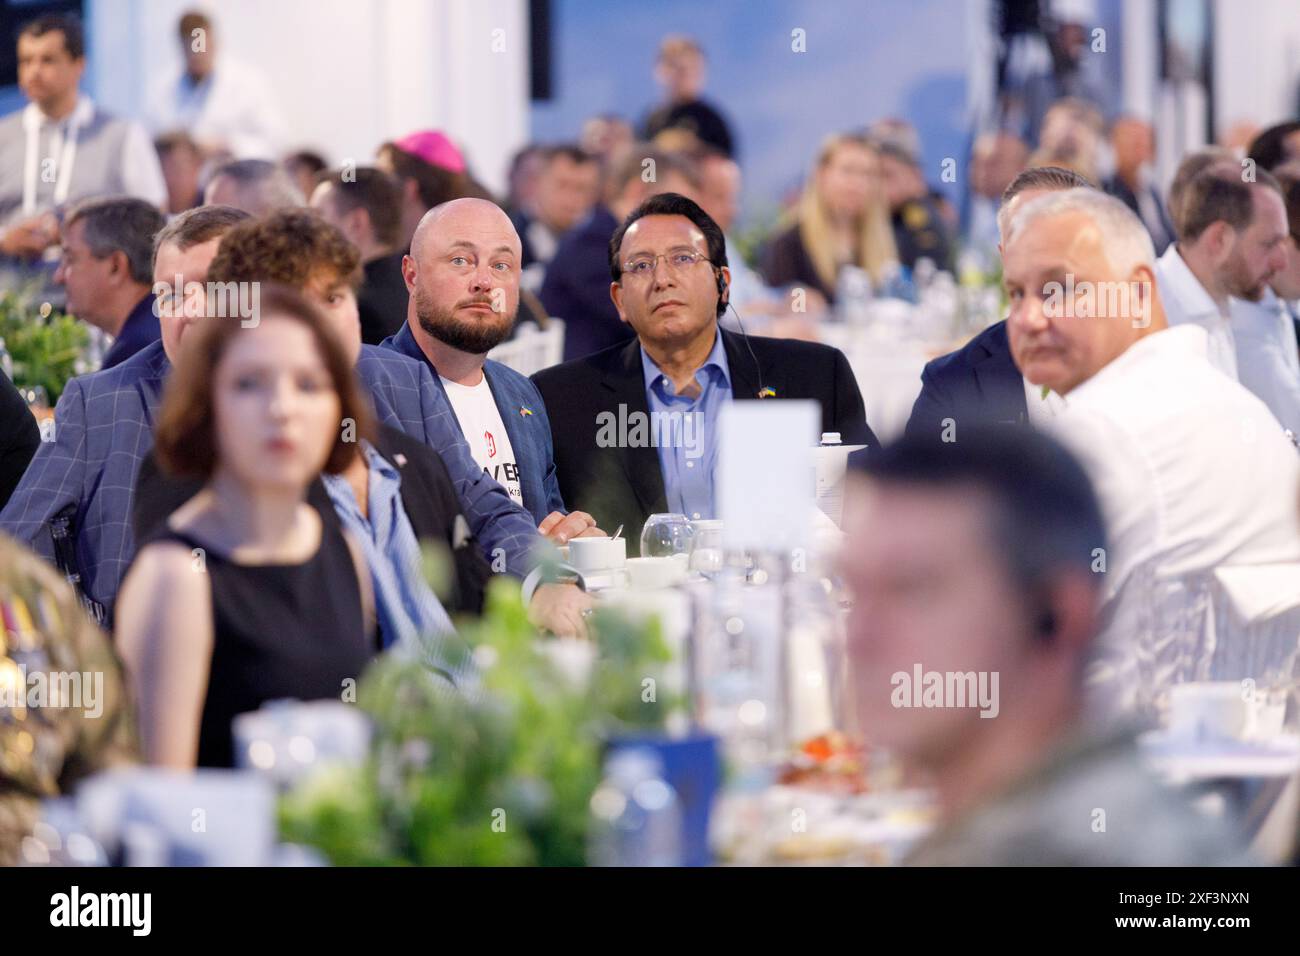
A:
(463, 276)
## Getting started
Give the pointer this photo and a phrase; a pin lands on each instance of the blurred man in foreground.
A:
(991, 540)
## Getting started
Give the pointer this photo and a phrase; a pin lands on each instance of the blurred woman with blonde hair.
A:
(842, 219)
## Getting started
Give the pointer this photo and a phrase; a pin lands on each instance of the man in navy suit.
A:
(979, 383)
(576, 287)
(463, 275)
(74, 505)
(105, 268)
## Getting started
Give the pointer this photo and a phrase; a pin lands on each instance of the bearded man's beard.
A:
(476, 336)
(1240, 282)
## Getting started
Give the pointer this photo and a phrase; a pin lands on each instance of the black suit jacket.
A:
(428, 496)
(1162, 232)
(381, 300)
(576, 287)
(625, 485)
(977, 384)
(698, 117)
(786, 262)
(521, 221)
(19, 438)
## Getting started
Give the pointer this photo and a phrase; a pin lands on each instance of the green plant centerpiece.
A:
(497, 776)
(45, 346)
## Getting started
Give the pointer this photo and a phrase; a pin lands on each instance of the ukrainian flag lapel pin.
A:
(524, 411)
(767, 391)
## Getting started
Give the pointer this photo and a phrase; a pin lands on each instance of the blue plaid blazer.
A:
(104, 428)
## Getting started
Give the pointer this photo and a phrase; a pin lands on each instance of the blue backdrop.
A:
(864, 61)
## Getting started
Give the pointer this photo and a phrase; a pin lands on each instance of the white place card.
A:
(765, 473)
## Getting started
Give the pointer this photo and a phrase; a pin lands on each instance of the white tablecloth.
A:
(888, 374)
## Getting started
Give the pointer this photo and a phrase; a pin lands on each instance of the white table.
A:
(1260, 781)
(888, 374)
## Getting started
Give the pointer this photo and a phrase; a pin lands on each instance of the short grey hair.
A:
(261, 186)
(196, 226)
(1046, 178)
(1128, 244)
(120, 224)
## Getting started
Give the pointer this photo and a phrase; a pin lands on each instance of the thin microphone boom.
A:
(745, 335)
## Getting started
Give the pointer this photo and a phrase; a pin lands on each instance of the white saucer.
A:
(603, 580)
(1202, 760)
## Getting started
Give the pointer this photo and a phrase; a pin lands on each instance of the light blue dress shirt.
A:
(685, 431)
(1266, 356)
(410, 614)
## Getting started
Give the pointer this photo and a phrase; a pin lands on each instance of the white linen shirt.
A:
(1041, 408)
(1267, 360)
(1187, 303)
(1193, 471)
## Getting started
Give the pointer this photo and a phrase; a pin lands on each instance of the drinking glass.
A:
(706, 555)
(665, 535)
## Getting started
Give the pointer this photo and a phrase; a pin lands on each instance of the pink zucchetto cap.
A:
(434, 148)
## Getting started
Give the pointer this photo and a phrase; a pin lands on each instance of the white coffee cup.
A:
(646, 574)
(1209, 711)
(592, 555)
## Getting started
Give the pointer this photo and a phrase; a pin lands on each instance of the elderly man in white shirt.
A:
(1230, 243)
(1192, 470)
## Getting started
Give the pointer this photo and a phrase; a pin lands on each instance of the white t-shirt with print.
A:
(480, 421)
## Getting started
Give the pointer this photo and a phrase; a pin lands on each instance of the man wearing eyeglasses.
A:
(634, 426)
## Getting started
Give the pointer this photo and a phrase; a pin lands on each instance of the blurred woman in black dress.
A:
(245, 595)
